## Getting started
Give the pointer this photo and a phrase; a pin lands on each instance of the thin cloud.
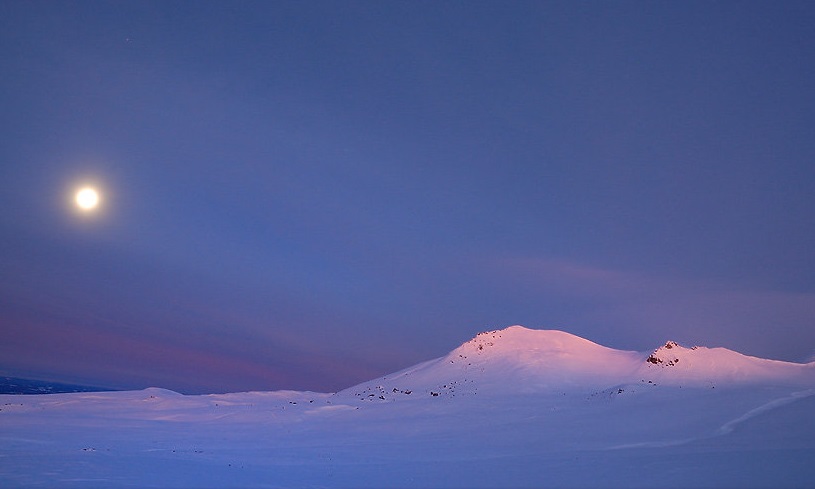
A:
(768, 323)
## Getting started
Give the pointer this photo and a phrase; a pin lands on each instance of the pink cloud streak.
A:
(716, 313)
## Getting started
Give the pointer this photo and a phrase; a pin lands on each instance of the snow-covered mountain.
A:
(509, 408)
(521, 360)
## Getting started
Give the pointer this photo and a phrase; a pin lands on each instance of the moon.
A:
(87, 198)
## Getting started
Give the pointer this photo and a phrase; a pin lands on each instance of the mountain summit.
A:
(522, 360)
(675, 364)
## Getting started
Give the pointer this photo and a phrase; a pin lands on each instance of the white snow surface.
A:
(509, 408)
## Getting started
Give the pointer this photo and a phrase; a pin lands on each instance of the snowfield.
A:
(509, 408)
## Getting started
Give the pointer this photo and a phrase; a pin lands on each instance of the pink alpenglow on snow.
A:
(523, 360)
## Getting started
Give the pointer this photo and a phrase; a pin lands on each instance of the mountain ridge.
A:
(519, 359)
(25, 386)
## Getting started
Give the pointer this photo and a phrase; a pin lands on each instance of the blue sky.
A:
(306, 195)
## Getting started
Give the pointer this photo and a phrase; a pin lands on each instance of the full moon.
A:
(87, 198)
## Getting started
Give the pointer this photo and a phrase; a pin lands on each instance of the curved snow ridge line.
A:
(652, 444)
(795, 396)
(726, 428)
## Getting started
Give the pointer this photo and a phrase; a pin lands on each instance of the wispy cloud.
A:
(636, 306)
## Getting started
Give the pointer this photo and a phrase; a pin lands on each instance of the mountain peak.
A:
(515, 340)
(673, 363)
(668, 354)
(514, 359)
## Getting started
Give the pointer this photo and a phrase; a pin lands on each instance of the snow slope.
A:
(512, 408)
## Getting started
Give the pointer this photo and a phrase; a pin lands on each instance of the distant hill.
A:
(13, 385)
(521, 360)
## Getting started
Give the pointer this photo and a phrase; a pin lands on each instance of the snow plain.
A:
(509, 408)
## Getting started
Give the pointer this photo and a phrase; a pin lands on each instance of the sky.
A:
(308, 195)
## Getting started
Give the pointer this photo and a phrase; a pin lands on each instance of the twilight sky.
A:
(306, 195)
